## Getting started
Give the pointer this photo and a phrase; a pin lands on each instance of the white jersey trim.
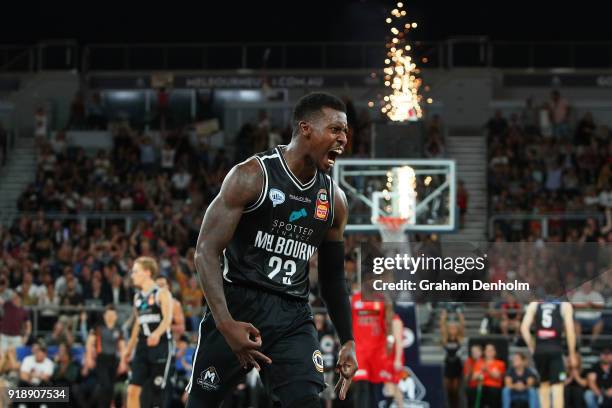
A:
(195, 358)
(264, 189)
(292, 176)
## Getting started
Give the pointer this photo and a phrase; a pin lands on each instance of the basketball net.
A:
(392, 229)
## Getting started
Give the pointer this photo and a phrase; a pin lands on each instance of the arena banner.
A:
(558, 80)
(254, 81)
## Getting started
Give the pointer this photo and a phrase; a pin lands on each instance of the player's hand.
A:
(153, 340)
(125, 357)
(573, 360)
(245, 341)
(346, 367)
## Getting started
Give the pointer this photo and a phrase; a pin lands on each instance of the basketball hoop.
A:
(392, 229)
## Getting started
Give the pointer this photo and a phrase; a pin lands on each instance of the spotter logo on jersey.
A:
(322, 207)
(296, 215)
(209, 379)
(276, 196)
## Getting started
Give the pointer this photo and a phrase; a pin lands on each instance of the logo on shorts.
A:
(296, 215)
(209, 379)
(158, 381)
(317, 359)
(276, 196)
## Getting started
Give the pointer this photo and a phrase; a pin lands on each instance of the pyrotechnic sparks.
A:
(401, 72)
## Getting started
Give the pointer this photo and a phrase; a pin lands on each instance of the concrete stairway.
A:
(19, 171)
(470, 153)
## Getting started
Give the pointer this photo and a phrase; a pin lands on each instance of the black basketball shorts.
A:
(289, 338)
(151, 365)
(550, 367)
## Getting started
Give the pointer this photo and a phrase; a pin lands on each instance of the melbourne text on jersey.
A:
(285, 246)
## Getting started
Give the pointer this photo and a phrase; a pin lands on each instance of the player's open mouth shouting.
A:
(333, 154)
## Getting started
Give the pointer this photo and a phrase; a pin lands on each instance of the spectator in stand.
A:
(40, 125)
(163, 107)
(472, 373)
(599, 393)
(559, 112)
(96, 112)
(584, 300)
(498, 125)
(575, 385)
(434, 148)
(530, 118)
(66, 370)
(77, 112)
(520, 383)
(147, 155)
(180, 184)
(192, 301)
(167, 156)
(61, 333)
(585, 130)
(15, 326)
(36, 369)
(492, 377)
(511, 315)
(30, 292)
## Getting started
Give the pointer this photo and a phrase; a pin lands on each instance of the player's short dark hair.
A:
(110, 307)
(311, 104)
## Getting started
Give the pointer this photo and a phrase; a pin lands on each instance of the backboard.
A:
(419, 190)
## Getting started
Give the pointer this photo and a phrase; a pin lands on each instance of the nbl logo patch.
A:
(209, 379)
(317, 359)
(322, 206)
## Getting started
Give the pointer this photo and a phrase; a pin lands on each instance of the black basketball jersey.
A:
(149, 312)
(278, 233)
(549, 328)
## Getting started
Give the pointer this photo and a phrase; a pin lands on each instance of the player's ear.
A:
(305, 128)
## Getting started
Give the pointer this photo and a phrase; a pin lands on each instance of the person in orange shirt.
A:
(470, 374)
(491, 372)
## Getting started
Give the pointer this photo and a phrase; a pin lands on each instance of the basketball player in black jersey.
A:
(151, 336)
(552, 319)
(274, 211)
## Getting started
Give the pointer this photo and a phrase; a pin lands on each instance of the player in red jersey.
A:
(371, 324)
(393, 369)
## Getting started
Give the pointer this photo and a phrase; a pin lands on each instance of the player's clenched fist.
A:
(346, 367)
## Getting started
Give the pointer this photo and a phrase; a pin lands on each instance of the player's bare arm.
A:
(241, 187)
(165, 302)
(567, 313)
(133, 338)
(178, 319)
(335, 294)
(526, 325)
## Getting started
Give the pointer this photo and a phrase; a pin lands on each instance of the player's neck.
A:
(299, 163)
(147, 286)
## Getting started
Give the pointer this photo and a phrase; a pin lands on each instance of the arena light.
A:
(402, 103)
